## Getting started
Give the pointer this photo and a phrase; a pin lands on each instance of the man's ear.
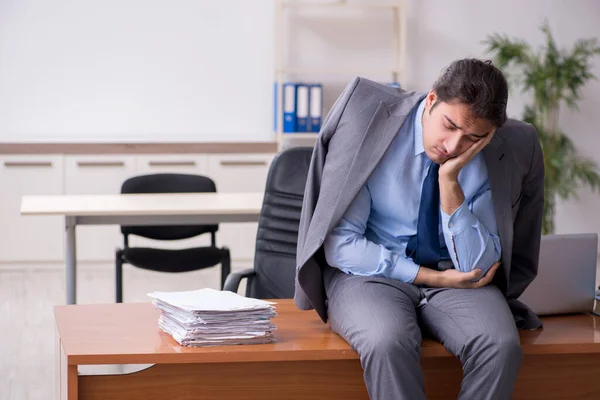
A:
(430, 101)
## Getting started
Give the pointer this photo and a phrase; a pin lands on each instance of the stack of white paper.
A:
(209, 317)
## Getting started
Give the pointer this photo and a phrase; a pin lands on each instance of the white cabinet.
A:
(30, 238)
(171, 163)
(239, 173)
(102, 174)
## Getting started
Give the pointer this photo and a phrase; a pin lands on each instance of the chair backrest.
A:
(168, 183)
(277, 235)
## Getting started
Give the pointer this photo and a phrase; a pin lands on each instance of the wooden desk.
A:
(307, 361)
(139, 209)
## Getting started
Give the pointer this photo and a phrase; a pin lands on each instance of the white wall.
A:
(135, 70)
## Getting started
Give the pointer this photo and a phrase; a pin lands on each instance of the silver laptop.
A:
(566, 279)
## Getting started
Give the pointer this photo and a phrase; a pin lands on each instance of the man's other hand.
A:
(467, 280)
(452, 278)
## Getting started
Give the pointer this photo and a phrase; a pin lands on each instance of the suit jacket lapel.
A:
(500, 183)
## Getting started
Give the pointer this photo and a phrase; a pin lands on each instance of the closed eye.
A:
(450, 128)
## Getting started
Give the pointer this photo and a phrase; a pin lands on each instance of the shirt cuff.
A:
(461, 219)
(404, 270)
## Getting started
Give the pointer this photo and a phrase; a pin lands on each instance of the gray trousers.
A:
(382, 320)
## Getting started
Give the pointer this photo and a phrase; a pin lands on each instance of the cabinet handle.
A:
(242, 163)
(100, 163)
(172, 163)
(27, 164)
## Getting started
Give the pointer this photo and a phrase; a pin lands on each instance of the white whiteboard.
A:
(136, 70)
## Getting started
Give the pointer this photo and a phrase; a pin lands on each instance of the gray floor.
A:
(27, 297)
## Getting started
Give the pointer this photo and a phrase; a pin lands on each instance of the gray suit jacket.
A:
(356, 134)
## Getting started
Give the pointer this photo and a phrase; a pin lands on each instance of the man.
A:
(422, 214)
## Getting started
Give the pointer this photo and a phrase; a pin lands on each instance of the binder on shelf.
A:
(316, 107)
(302, 105)
(289, 107)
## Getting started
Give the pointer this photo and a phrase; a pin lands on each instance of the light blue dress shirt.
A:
(371, 237)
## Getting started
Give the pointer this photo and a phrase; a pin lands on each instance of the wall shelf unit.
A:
(396, 71)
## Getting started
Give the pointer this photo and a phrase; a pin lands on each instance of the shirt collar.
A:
(418, 128)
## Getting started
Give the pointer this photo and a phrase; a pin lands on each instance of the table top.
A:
(128, 333)
(143, 204)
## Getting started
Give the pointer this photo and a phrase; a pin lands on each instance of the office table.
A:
(307, 361)
(139, 209)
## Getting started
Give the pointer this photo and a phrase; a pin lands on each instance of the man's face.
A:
(451, 128)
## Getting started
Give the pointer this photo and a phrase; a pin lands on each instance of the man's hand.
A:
(452, 166)
(452, 278)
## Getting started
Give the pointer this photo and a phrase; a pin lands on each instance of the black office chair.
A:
(275, 260)
(167, 260)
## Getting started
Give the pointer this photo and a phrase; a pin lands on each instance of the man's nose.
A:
(452, 144)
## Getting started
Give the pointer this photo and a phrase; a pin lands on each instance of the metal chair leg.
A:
(225, 267)
(119, 276)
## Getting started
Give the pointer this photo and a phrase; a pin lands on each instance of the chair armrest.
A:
(233, 280)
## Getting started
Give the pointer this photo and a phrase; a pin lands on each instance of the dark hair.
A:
(479, 85)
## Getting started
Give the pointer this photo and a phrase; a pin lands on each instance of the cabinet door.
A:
(97, 175)
(171, 163)
(30, 238)
(239, 173)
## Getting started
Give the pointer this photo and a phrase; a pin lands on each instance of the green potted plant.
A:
(554, 77)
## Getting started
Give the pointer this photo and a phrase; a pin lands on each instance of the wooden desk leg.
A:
(72, 383)
(67, 377)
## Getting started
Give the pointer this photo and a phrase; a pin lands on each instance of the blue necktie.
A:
(424, 247)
